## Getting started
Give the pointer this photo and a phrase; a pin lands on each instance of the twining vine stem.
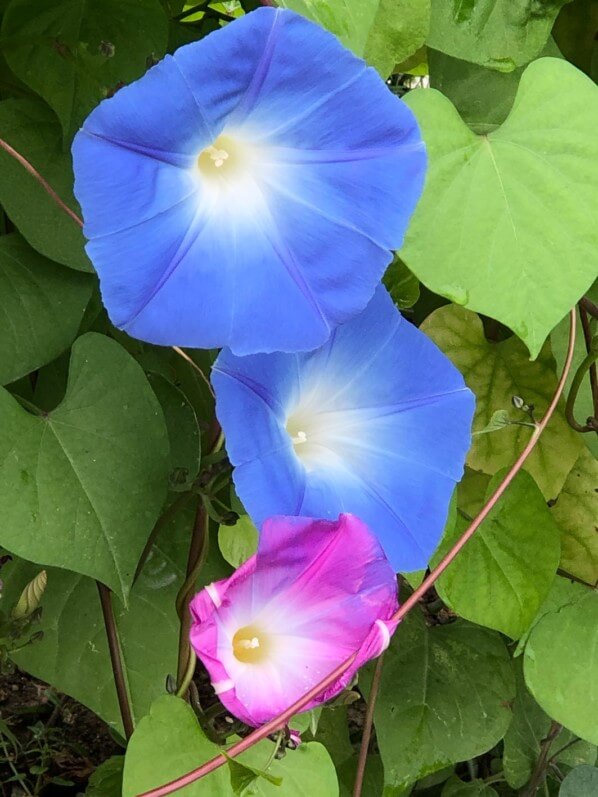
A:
(542, 763)
(367, 727)
(283, 718)
(44, 184)
(587, 307)
(116, 659)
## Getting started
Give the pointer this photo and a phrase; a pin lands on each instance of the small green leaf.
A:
(59, 49)
(494, 33)
(308, 770)
(107, 779)
(580, 782)
(384, 32)
(81, 486)
(402, 285)
(33, 131)
(444, 697)
(576, 514)
(237, 543)
(561, 665)
(498, 247)
(242, 776)
(30, 597)
(167, 743)
(498, 420)
(496, 372)
(41, 307)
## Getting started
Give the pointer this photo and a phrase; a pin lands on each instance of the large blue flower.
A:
(376, 423)
(247, 191)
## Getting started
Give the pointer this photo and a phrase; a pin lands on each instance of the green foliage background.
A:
(490, 684)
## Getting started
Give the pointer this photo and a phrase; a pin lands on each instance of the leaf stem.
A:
(188, 676)
(194, 365)
(561, 750)
(281, 719)
(116, 659)
(198, 552)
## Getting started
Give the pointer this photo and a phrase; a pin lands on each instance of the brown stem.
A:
(44, 184)
(539, 772)
(587, 336)
(367, 728)
(116, 659)
(589, 306)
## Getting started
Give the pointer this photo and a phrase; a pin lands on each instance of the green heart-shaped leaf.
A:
(81, 486)
(513, 235)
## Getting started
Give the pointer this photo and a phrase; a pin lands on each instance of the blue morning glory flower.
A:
(375, 423)
(247, 190)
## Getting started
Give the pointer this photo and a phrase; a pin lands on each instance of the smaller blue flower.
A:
(247, 191)
(375, 423)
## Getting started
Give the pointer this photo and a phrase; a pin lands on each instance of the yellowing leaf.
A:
(496, 372)
(576, 513)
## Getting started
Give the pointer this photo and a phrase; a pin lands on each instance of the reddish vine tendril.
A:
(279, 721)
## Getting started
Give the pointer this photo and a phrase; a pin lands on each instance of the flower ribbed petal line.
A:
(386, 423)
(276, 260)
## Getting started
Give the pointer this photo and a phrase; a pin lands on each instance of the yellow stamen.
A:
(251, 645)
(222, 157)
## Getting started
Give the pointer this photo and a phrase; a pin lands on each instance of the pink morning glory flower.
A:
(315, 592)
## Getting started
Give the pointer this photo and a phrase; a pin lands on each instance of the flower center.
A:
(296, 426)
(251, 645)
(225, 157)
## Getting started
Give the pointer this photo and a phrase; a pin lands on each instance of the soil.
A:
(50, 730)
